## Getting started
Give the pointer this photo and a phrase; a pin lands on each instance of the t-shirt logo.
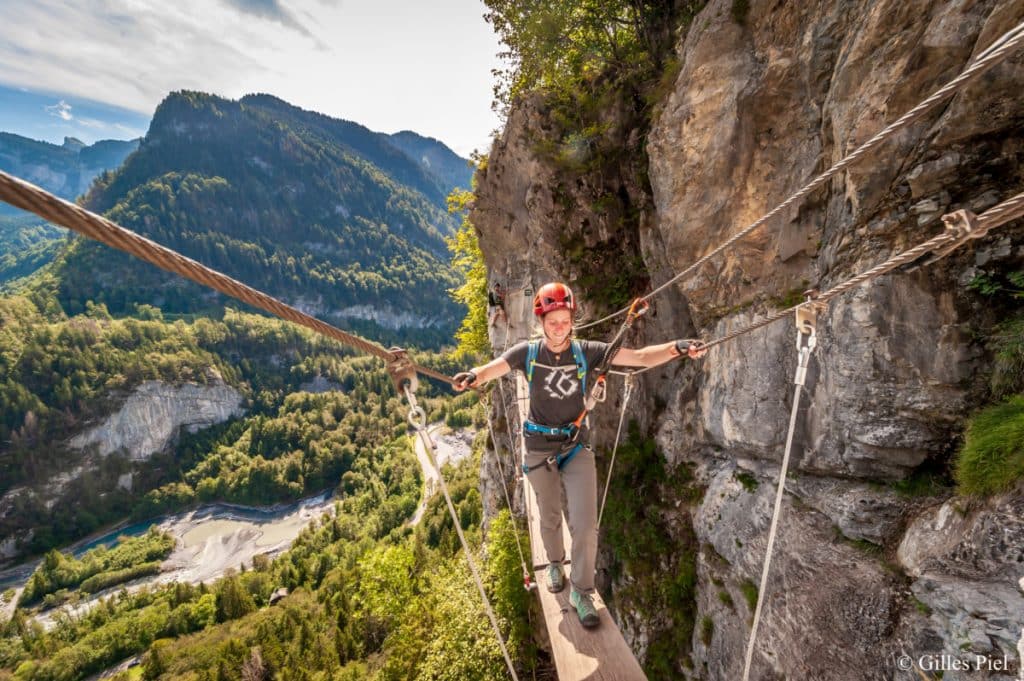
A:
(561, 384)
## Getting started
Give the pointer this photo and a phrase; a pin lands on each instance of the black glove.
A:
(465, 379)
(684, 345)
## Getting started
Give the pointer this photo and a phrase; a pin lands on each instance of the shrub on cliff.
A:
(992, 457)
(1008, 369)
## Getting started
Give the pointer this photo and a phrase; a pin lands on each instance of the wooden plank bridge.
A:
(598, 654)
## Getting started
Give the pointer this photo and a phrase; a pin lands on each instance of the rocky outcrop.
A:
(152, 415)
(384, 315)
(819, 600)
(66, 170)
(966, 559)
(147, 423)
(759, 108)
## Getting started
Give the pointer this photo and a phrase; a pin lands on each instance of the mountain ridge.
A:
(320, 212)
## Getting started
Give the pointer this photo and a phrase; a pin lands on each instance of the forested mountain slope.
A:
(323, 213)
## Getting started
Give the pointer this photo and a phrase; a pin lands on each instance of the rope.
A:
(618, 433)
(801, 372)
(501, 471)
(942, 244)
(991, 56)
(29, 197)
(418, 419)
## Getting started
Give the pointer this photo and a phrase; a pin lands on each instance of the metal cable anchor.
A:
(962, 226)
(806, 334)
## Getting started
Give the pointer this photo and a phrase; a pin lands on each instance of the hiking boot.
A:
(556, 579)
(584, 604)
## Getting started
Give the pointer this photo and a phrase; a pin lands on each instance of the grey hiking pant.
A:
(579, 477)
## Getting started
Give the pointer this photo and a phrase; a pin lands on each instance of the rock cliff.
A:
(66, 170)
(147, 423)
(150, 418)
(862, 573)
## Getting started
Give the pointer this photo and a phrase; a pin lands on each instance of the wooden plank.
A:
(598, 654)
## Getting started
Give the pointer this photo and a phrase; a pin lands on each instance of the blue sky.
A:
(92, 68)
(52, 117)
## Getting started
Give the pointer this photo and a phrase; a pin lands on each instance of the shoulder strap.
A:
(531, 358)
(580, 358)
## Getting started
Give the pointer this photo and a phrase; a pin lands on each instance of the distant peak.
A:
(73, 144)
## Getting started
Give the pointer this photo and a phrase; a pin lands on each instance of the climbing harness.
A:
(806, 341)
(558, 460)
(531, 427)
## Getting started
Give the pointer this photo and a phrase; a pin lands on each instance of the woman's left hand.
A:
(694, 349)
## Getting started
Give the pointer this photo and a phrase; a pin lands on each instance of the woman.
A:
(558, 371)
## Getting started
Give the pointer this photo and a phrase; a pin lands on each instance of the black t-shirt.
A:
(556, 396)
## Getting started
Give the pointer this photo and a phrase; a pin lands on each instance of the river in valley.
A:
(210, 540)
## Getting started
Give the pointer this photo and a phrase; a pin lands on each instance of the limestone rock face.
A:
(859, 511)
(967, 560)
(817, 599)
(861, 574)
(968, 539)
(152, 415)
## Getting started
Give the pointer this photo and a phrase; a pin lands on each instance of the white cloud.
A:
(129, 129)
(388, 64)
(61, 110)
(272, 10)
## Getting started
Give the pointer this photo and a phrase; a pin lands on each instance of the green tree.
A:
(154, 663)
(468, 262)
(553, 45)
(233, 601)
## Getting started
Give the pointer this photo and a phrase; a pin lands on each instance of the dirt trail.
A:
(451, 447)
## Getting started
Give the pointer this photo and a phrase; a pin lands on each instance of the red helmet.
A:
(553, 296)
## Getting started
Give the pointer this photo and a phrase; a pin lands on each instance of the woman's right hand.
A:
(463, 380)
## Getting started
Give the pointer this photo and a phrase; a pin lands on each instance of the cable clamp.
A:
(628, 382)
(402, 370)
(807, 318)
(962, 226)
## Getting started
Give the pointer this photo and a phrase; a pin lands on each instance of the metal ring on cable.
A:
(417, 417)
